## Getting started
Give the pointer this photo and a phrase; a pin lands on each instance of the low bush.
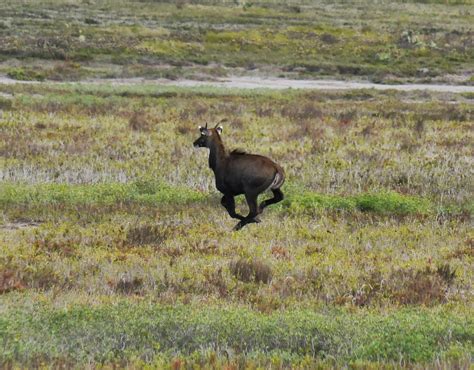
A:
(25, 74)
(251, 270)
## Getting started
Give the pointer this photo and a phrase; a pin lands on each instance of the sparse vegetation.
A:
(106, 204)
(114, 248)
(384, 41)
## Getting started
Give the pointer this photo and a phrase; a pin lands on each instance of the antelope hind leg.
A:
(277, 197)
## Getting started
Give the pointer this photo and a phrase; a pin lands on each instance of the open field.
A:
(381, 41)
(114, 249)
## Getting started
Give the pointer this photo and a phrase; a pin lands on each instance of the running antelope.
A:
(240, 173)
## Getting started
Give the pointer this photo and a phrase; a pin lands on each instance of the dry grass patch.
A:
(147, 234)
(141, 121)
(127, 284)
(9, 282)
(251, 270)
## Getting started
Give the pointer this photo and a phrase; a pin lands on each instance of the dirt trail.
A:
(273, 83)
(279, 83)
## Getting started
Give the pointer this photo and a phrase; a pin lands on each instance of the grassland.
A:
(380, 41)
(115, 250)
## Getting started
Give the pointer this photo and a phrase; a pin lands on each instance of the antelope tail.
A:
(278, 180)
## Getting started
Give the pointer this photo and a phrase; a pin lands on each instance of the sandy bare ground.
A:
(278, 83)
(271, 83)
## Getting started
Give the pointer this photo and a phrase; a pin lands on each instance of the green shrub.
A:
(111, 193)
(380, 203)
(24, 74)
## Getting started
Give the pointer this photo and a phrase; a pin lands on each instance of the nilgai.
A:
(240, 173)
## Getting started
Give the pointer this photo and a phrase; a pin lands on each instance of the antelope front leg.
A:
(253, 212)
(229, 204)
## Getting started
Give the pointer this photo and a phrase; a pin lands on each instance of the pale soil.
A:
(254, 82)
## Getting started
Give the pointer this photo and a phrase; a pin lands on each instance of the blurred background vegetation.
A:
(382, 41)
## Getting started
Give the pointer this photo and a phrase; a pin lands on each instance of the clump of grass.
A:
(147, 235)
(9, 282)
(264, 111)
(184, 129)
(367, 292)
(307, 111)
(420, 287)
(428, 287)
(65, 71)
(251, 270)
(5, 104)
(42, 277)
(64, 242)
(464, 250)
(419, 127)
(25, 74)
(391, 203)
(91, 21)
(216, 280)
(309, 130)
(139, 121)
(280, 252)
(127, 284)
(328, 38)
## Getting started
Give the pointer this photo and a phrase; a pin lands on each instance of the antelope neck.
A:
(217, 153)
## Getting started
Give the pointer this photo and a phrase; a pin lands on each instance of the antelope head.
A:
(207, 135)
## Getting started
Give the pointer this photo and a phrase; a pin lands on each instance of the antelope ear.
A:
(219, 129)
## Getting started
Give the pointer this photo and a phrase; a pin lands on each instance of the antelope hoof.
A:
(239, 226)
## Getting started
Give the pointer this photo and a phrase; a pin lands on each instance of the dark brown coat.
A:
(240, 173)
